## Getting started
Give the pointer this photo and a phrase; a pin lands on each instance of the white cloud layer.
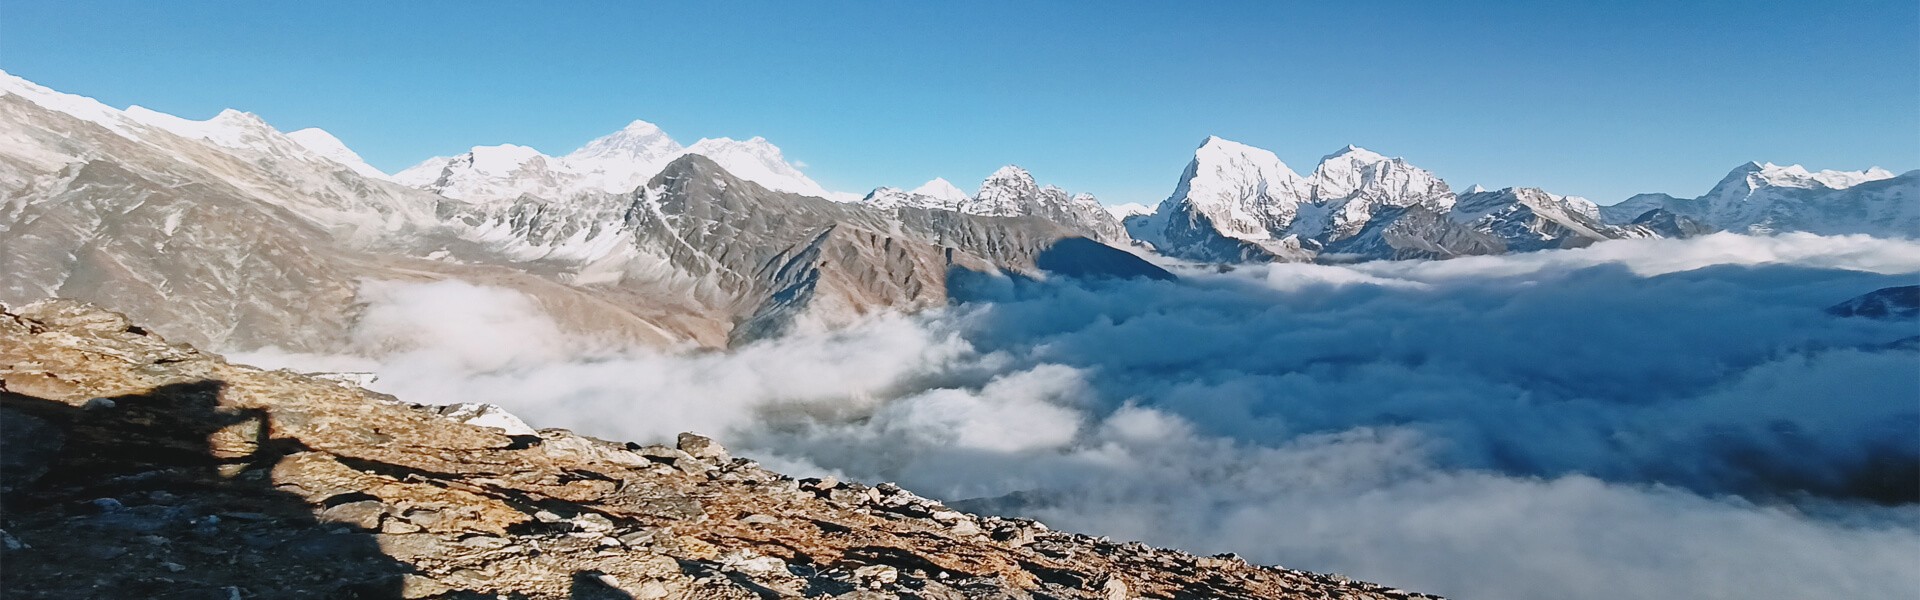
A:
(1638, 419)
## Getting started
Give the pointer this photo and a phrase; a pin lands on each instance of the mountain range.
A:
(1236, 203)
(239, 235)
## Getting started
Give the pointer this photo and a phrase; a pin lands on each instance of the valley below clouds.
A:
(1617, 421)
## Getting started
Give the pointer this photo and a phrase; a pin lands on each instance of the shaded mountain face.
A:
(1662, 223)
(1900, 302)
(1010, 192)
(241, 236)
(1769, 198)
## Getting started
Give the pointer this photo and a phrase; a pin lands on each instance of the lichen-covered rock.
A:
(199, 478)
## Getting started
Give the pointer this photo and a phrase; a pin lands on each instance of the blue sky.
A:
(1600, 99)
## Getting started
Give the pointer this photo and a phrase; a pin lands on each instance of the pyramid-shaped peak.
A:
(940, 188)
(641, 127)
(1219, 150)
(229, 115)
(1010, 172)
(1355, 154)
(1220, 144)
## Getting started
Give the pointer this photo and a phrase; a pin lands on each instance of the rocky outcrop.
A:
(141, 468)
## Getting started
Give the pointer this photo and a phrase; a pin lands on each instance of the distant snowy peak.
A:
(1236, 202)
(938, 193)
(502, 160)
(1767, 198)
(491, 173)
(1475, 205)
(1005, 193)
(618, 162)
(230, 129)
(1230, 174)
(942, 190)
(1229, 189)
(1130, 209)
(638, 140)
(889, 198)
(758, 161)
(1010, 191)
(319, 142)
(423, 173)
(1355, 172)
(1756, 175)
(625, 159)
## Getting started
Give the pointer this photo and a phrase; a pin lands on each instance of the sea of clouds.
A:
(1638, 419)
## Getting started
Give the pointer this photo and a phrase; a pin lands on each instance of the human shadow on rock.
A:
(167, 495)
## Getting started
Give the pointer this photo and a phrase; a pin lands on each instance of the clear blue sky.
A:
(1601, 99)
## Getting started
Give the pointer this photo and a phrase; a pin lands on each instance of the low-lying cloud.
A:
(1638, 419)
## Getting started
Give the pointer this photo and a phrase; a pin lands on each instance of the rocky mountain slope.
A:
(138, 468)
(777, 260)
(1010, 192)
(1767, 198)
(241, 236)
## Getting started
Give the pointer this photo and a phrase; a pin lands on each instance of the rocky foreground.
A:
(136, 468)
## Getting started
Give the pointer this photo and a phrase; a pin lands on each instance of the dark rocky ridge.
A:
(139, 468)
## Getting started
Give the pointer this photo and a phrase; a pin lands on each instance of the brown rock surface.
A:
(138, 468)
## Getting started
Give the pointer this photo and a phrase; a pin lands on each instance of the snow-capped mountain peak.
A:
(1221, 153)
(1130, 209)
(1757, 175)
(618, 162)
(1353, 154)
(423, 173)
(489, 173)
(319, 142)
(759, 161)
(1005, 192)
(1763, 197)
(941, 189)
(500, 160)
(1010, 191)
(623, 160)
(1245, 191)
(638, 140)
(1009, 173)
(231, 128)
(1354, 183)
